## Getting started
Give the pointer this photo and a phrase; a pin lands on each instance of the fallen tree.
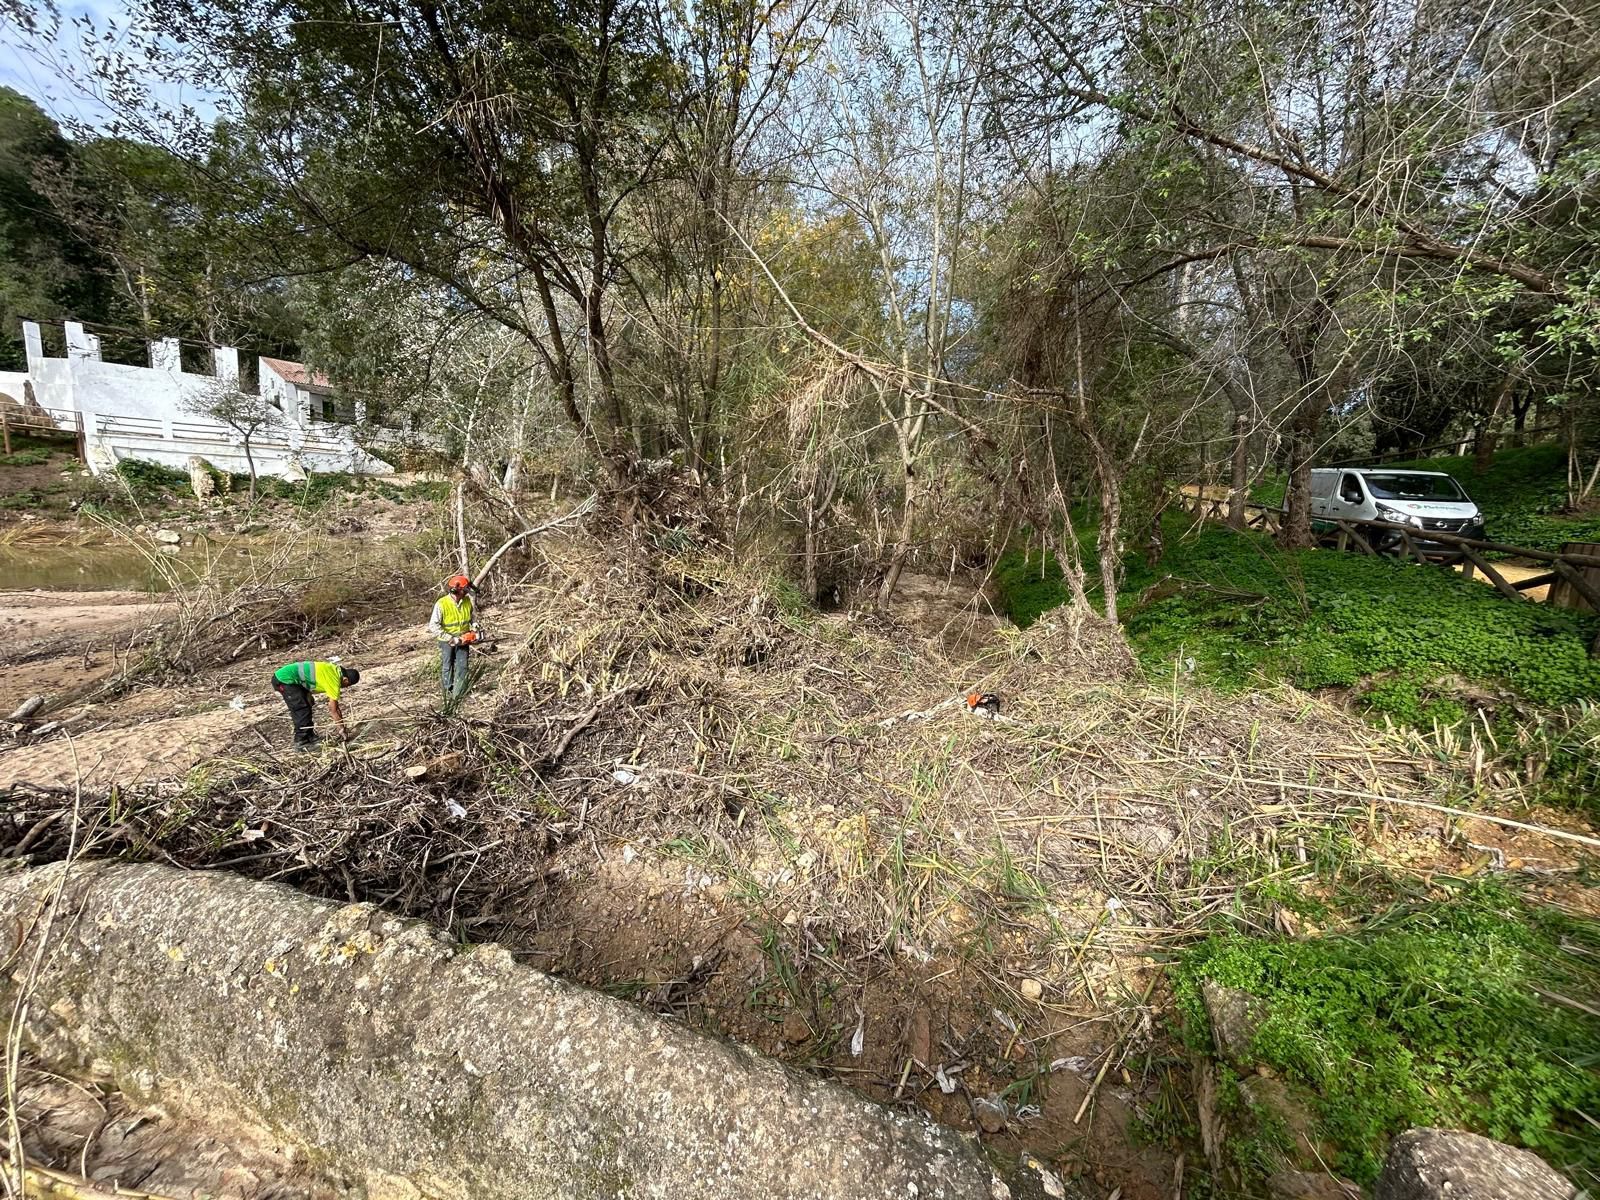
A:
(410, 1066)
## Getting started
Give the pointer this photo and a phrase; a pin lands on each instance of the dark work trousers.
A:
(299, 702)
(453, 670)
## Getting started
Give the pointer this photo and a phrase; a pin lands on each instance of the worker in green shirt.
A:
(297, 680)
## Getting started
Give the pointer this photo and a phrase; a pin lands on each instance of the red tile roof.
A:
(296, 373)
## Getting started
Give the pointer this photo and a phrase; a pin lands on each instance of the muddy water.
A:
(119, 567)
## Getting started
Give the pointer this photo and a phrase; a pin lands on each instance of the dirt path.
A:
(163, 730)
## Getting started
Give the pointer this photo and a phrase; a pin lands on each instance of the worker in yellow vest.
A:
(453, 627)
(296, 682)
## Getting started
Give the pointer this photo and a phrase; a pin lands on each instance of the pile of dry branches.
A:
(822, 767)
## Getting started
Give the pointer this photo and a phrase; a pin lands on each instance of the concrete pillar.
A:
(225, 364)
(81, 344)
(165, 355)
(33, 341)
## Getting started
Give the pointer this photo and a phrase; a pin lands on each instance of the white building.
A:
(156, 413)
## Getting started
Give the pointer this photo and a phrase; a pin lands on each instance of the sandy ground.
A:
(165, 728)
(32, 615)
(68, 639)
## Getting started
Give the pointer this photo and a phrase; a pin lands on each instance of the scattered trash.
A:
(237, 704)
(859, 1037)
(1077, 1064)
(251, 835)
(456, 810)
(624, 777)
(1005, 1020)
(1113, 904)
(947, 1085)
(629, 854)
(991, 1112)
(983, 704)
(1048, 1179)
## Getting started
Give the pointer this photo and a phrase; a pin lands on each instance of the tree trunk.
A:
(1156, 547)
(824, 484)
(1296, 532)
(1483, 444)
(1239, 486)
(1301, 343)
(1110, 541)
(250, 464)
(902, 548)
(1107, 480)
(1519, 420)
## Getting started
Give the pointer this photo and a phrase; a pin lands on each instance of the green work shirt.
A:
(314, 676)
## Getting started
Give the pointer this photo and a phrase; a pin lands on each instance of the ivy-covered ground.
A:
(1234, 609)
(1415, 644)
(1450, 1010)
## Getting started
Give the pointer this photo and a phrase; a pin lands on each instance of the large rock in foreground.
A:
(1447, 1164)
(416, 1068)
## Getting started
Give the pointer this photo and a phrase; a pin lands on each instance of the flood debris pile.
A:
(786, 827)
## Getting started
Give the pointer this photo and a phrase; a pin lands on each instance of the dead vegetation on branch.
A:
(789, 755)
(786, 827)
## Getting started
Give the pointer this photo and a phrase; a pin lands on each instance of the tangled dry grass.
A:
(786, 826)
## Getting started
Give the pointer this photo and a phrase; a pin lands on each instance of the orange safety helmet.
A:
(457, 581)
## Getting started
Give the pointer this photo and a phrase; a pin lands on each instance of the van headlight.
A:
(1397, 517)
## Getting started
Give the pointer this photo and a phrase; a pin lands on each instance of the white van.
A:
(1429, 501)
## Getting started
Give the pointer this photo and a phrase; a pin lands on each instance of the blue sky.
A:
(53, 71)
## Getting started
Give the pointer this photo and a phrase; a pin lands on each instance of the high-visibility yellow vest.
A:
(455, 615)
(321, 677)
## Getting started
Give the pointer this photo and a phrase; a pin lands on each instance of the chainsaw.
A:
(481, 641)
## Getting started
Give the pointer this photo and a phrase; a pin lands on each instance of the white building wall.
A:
(154, 413)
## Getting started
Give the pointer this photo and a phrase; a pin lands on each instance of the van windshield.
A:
(1404, 486)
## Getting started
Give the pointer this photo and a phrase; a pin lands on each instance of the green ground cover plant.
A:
(1234, 610)
(1430, 1012)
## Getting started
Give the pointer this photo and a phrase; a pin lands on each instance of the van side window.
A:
(1350, 490)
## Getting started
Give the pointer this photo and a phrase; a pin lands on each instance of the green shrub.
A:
(19, 501)
(1426, 1015)
(150, 481)
(25, 458)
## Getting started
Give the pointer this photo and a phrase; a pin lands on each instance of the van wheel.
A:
(1391, 546)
